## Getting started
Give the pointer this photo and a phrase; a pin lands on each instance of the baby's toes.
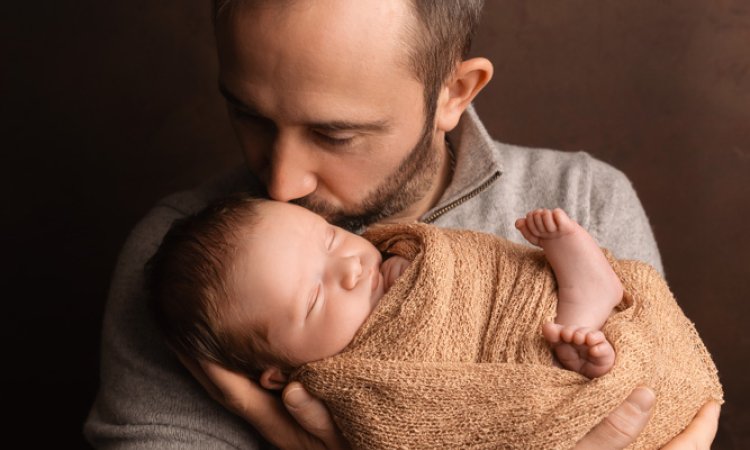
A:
(531, 224)
(580, 335)
(599, 350)
(602, 355)
(549, 221)
(551, 332)
(594, 337)
(567, 333)
(523, 226)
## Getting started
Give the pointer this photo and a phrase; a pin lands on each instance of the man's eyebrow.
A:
(330, 126)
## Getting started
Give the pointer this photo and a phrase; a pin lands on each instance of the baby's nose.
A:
(351, 270)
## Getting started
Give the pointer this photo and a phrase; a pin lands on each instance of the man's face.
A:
(326, 109)
(310, 284)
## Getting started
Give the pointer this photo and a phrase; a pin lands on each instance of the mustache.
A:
(350, 221)
(320, 207)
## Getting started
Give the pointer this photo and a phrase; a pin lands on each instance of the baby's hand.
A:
(392, 268)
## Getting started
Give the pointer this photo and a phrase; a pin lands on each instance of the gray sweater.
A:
(147, 400)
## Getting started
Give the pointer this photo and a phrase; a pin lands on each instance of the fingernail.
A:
(644, 398)
(295, 397)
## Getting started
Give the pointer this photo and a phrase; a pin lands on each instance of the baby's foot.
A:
(542, 225)
(587, 287)
(580, 349)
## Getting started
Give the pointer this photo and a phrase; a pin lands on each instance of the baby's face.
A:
(310, 283)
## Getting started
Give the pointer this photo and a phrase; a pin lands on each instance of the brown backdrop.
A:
(107, 106)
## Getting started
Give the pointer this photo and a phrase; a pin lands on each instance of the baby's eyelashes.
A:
(330, 238)
(313, 300)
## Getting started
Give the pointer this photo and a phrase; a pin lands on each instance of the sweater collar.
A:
(476, 159)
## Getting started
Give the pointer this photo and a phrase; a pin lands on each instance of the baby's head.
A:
(262, 287)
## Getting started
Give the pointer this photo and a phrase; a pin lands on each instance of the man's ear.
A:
(470, 77)
(273, 378)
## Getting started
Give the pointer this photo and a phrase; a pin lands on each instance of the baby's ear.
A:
(273, 378)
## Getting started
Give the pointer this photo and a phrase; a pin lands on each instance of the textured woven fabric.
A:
(453, 357)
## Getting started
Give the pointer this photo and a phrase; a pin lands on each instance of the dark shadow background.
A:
(107, 106)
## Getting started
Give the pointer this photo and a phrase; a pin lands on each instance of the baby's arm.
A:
(588, 290)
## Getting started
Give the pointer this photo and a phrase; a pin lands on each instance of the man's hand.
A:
(305, 423)
(623, 425)
(313, 416)
(701, 432)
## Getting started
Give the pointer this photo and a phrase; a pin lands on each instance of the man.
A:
(361, 112)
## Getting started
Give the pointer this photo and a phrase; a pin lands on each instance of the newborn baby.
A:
(297, 288)
(421, 337)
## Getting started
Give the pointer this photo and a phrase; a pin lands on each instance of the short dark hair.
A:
(191, 295)
(442, 38)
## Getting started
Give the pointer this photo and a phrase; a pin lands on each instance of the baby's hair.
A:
(190, 283)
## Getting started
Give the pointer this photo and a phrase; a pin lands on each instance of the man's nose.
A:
(291, 171)
(349, 271)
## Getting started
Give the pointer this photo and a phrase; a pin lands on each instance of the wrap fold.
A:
(453, 356)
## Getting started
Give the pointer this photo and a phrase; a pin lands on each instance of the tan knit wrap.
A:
(453, 357)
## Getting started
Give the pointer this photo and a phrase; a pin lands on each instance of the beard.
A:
(409, 183)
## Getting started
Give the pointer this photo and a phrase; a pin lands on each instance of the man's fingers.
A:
(623, 425)
(236, 391)
(250, 401)
(197, 371)
(313, 416)
(701, 432)
(258, 407)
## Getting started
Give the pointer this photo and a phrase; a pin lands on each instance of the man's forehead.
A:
(321, 24)
(221, 7)
(354, 59)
